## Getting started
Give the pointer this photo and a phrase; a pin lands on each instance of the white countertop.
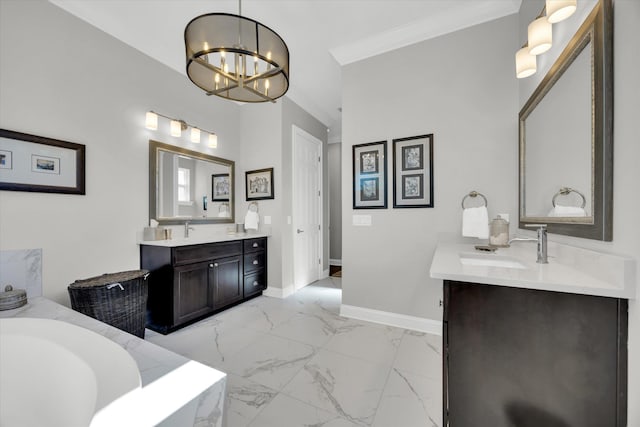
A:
(174, 389)
(570, 269)
(202, 239)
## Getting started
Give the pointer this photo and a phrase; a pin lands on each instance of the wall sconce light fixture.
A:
(540, 34)
(177, 126)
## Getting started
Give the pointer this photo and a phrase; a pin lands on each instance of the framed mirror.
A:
(566, 137)
(186, 185)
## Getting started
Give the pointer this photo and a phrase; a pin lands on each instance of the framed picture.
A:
(5, 159)
(39, 164)
(259, 184)
(220, 187)
(370, 175)
(413, 172)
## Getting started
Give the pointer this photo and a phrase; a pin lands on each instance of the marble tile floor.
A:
(296, 362)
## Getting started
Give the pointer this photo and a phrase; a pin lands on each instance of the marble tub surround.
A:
(175, 391)
(570, 269)
(22, 269)
(198, 238)
(296, 361)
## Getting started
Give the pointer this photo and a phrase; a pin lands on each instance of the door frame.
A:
(295, 130)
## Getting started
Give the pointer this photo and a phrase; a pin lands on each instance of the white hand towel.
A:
(251, 220)
(475, 222)
(560, 211)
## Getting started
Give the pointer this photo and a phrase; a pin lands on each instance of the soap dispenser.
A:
(499, 232)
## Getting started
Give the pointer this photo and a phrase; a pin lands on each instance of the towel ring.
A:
(474, 194)
(253, 206)
(565, 191)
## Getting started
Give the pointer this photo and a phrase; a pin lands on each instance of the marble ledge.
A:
(199, 240)
(570, 269)
(191, 394)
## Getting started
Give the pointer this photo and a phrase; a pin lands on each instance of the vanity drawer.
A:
(196, 253)
(254, 245)
(254, 261)
(254, 283)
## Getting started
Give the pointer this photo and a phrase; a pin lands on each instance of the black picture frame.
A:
(220, 182)
(370, 175)
(413, 172)
(40, 164)
(259, 184)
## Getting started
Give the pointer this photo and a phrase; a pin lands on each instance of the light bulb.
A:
(195, 135)
(176, 128)
(213, 140)
(559, 10)
(540, 36)
(151, 121)
(525, 63)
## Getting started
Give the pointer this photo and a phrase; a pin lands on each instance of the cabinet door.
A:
(192, 294)
(226, 281)
(522, 357)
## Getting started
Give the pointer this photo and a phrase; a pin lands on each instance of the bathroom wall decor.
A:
(370, 175)
(259, 184)
(220, 187)
(39, 164)
(413, 172)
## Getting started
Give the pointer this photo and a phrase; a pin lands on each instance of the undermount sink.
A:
(58, 374)
(490, 260)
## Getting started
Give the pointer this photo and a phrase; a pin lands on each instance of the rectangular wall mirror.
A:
(566, 137)
(186, 185)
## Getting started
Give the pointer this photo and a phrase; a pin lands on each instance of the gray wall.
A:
(626, 176)
(335, 201)
(460, 87)
(87, 87)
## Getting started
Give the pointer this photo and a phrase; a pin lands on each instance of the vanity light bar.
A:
(539, 34)
(177, 126)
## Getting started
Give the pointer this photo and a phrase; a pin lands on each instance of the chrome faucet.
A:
(541, 240)
(186, 229)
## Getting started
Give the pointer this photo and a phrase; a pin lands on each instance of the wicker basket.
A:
(119, 299)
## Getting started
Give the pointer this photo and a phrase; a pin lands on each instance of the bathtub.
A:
(54, 373)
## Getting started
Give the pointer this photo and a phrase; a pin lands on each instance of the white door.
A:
(307, 208)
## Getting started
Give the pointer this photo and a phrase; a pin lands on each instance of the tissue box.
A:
(149, 233)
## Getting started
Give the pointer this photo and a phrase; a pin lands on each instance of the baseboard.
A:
(336, 262)
(278, 292)
(392, 319)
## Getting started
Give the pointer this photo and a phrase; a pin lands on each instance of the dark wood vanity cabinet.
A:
(190, 282)
(530, 358)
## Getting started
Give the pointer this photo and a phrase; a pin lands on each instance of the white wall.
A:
(462, 88)
(626, 176)
(334, 168)
(64, 79)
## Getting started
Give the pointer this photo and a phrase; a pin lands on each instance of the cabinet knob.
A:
(213, 265)
(255, 262)
(255, 283)
(255, 244)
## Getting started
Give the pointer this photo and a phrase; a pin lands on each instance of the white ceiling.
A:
(321, 35)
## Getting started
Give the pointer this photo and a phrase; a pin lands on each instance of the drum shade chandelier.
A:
(236, 58)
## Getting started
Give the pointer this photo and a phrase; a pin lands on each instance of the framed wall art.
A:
(259, 184)
(370, 175)
(413, 172)
(220, 187)
(39, 164)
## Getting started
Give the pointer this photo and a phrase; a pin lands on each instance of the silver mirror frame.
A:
(597, 29)
(154, 148)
